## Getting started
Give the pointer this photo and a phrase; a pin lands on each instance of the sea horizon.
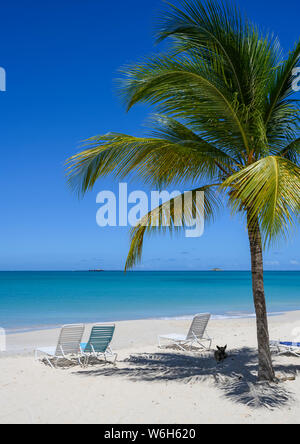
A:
(143, 271)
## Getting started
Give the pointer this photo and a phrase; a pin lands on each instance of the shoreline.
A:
(215, 317)
(20, 343)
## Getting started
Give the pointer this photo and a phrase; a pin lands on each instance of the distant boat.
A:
(96, 271)
(217, 269)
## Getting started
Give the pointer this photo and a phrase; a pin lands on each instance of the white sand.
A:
(153, 386)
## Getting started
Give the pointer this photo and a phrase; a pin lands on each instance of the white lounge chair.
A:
(196, 336)
(284, 347)
(68, 345)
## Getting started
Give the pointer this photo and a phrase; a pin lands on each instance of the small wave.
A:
(230, 315)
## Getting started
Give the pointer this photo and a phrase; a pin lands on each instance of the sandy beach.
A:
(150, 385)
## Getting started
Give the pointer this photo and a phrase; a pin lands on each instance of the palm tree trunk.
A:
(265, 366)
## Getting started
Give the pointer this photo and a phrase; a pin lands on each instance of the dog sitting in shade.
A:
(220, 354)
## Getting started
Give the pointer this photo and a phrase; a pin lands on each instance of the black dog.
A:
(220, 354)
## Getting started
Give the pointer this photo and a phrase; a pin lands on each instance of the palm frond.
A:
(178, 157)
(188, 89)
(280, 86)
(174, 215)
(226, 41)
(292, 151)
(269, 191)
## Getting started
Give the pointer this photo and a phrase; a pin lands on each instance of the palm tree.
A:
(226, 122)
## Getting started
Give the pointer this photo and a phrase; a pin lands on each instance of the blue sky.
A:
(61, 59)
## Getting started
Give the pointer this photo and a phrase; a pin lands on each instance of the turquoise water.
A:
(42, 299)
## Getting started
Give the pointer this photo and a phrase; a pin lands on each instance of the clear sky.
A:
(61, 58)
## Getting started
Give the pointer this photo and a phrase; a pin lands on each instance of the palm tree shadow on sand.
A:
(236, 377)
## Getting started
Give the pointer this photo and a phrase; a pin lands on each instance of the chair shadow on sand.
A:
(235, 377)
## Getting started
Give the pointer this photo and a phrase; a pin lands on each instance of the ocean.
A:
(31, 300)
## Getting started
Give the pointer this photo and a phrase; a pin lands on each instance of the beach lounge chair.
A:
(98, 345)
(68, 345)
(284, 347)
(196, 335)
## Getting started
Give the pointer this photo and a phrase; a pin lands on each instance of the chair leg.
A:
(36, 358)
(114, 355)
(293, 352)
(86, 361)
(179, 346)
(49, 362)
(203, 346)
